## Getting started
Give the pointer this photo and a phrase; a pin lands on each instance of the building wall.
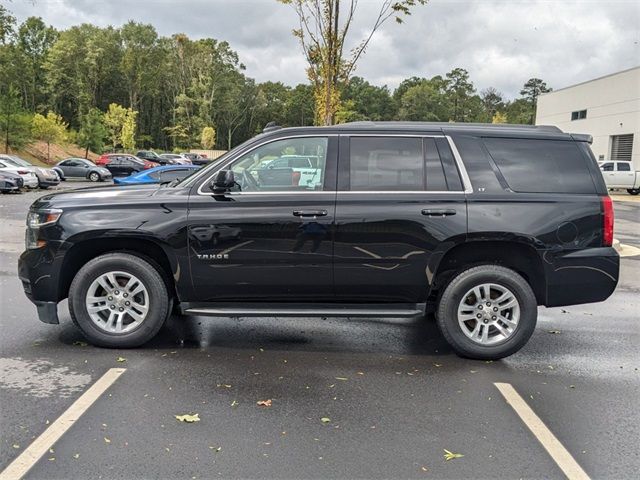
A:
(613, 108)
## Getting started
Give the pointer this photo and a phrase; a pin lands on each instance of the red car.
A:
(105, 158)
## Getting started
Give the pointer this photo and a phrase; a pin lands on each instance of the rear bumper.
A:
(583, 276)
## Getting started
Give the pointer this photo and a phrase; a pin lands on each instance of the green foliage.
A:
(120, 123)
(92, 132)
(208, 138)
(50, 129)
(15, 122)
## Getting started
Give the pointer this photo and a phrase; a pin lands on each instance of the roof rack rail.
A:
(270, 127)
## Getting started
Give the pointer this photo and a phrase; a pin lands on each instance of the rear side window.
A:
(386, 164)
(624, 167)
(541, 166)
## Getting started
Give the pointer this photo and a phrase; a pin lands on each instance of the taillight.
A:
(607, 221)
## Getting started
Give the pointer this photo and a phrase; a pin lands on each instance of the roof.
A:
(430, 127)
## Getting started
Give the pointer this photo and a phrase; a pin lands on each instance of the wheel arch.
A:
(520, 257)
(148, 249)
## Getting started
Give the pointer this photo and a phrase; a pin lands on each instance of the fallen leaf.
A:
(76, 455)
(450, 455)
(264, 403)
(554, 331)
(325, 420)
(424, 469)
(234, 403)
(121, 359)
(215, 449)
(342, 378)
(106, 440)
(15, 445)
(188, 418)
(437, 365)
(80, 344)
(52, 459)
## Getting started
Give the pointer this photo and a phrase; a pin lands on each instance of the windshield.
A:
(17, 161)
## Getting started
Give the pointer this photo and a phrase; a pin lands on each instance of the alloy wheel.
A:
(488, 314)
(117, 302)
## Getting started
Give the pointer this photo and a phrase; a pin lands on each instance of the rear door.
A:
(625, 176)
(400, 204)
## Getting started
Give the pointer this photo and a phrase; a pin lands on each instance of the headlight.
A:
(38, 218)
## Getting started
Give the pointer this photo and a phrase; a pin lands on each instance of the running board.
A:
(386, 310)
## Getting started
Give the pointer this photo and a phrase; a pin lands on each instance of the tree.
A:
(425, 101)
(128, 134)
(92, 132)
(370, 102)
(50, 129)
(15, 123)
(459, 89)
(531, 91)
(499, 117)
(492, 101)
(208, 138)
(114, 120)
(518, 111)
(323, 32)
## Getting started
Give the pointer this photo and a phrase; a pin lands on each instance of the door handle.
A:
(310, 213)
(438, 212)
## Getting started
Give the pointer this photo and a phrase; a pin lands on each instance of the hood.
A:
(93, 196)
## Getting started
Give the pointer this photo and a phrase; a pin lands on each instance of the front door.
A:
(270, 238)
(400, 200)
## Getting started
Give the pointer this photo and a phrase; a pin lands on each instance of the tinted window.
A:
(448, 164)
(546, 166)
(251, 174)
(624, 167)
(435, 173)
(386, 164)
(607, 167)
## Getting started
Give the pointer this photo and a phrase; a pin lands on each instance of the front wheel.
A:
(94, 176)
(119, 300)
(487, 312)
(633, 191)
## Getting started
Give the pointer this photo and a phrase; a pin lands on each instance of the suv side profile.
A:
(478, 223)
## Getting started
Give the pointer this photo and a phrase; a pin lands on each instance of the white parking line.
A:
(552, 445)
(28, 458)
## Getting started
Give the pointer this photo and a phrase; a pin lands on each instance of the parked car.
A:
(28, 174)
(164, 173)
(196, 158)
(46, 176)
(620, 174)
(10, 182)
(153, 157)
(123, 166)
(175, 159)
(479, 223)
(81, 168)
(107, 157)
(305, 171)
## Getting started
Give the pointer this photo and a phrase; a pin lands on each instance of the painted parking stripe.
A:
(41, 445)
(552, 445)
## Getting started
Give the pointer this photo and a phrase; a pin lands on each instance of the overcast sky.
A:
(500, 43)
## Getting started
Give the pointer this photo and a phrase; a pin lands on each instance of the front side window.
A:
(607, 167)
(267, 168)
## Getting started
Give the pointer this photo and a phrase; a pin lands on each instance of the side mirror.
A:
(223, 181)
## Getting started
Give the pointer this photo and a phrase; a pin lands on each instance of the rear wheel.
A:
(119, 300)
(94, 176)
(633, 191)
(487, 312)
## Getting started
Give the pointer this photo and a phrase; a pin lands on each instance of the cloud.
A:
(500, 43)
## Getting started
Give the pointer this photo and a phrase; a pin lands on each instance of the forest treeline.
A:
(165, 91)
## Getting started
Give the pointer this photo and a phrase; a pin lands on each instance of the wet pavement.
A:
(392, 394)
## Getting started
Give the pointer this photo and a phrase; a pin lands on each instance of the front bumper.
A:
(582, 276)
(38, 270)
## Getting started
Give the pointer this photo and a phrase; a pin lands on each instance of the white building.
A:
(608, 108)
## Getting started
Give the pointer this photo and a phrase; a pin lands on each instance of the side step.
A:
(302, 310)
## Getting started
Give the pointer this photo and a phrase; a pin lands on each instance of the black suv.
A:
(478, 223)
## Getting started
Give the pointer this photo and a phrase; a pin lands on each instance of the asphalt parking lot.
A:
(350, 398)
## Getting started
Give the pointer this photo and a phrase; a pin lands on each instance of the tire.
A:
(122, 264)
(458, 296)
(94, 177)
(633, 191)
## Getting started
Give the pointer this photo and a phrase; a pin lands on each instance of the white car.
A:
(620, 174)
(176, 158)
(28, 174)
(309, 175)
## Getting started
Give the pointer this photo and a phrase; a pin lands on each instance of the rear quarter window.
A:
(541, 166)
